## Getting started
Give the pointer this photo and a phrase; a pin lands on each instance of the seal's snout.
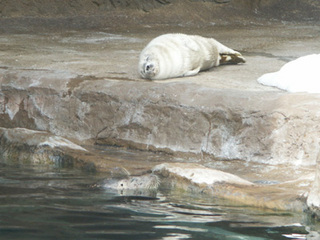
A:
(149, 67)
(148, 70)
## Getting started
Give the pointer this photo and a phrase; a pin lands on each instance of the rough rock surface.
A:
(297, 9)
(200, 180)
(80, 88)
(199, 175)
(313, 200)
(93, 82)
(27, 16)
(23, 146)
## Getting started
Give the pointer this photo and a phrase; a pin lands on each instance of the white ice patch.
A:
(300, 75)
(61, 142)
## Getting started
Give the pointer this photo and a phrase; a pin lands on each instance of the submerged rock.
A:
(198, 179)
(199, 174)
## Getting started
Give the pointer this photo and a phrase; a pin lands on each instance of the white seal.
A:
(149, 181)
(299, 75)
(178, 55)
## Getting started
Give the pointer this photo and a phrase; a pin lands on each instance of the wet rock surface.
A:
(66, 94)
(197, 179)
(92, 79)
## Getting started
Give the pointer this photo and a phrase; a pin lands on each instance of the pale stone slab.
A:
(199, 174)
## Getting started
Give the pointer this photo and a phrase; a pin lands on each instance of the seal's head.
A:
(149, 67)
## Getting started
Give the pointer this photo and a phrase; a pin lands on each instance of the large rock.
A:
(21, 146)
(84, 87)
(277, 128)
(98, 97)
(198, 179)
(198, 174)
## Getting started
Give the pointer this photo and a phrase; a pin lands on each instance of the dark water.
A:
(49, 203)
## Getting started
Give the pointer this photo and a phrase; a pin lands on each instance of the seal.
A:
(134, 185)
(178, 55)
(149, 181)
(299, 75)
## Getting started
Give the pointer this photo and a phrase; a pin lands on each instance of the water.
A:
(50, 203)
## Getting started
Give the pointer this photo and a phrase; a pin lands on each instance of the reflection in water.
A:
(61, 204)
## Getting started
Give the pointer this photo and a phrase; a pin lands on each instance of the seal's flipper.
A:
(233, 58)
(192, 72)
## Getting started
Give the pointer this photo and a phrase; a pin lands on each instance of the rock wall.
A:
(57, 8)
(38, 15)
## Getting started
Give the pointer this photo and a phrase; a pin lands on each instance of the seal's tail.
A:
(231, 58)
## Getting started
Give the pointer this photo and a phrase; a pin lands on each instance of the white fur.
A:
(300, 75)
(177, 55)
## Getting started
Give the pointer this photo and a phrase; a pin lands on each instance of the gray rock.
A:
(198, 179)
(24, 146)
(199, 174)
(313, 199)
